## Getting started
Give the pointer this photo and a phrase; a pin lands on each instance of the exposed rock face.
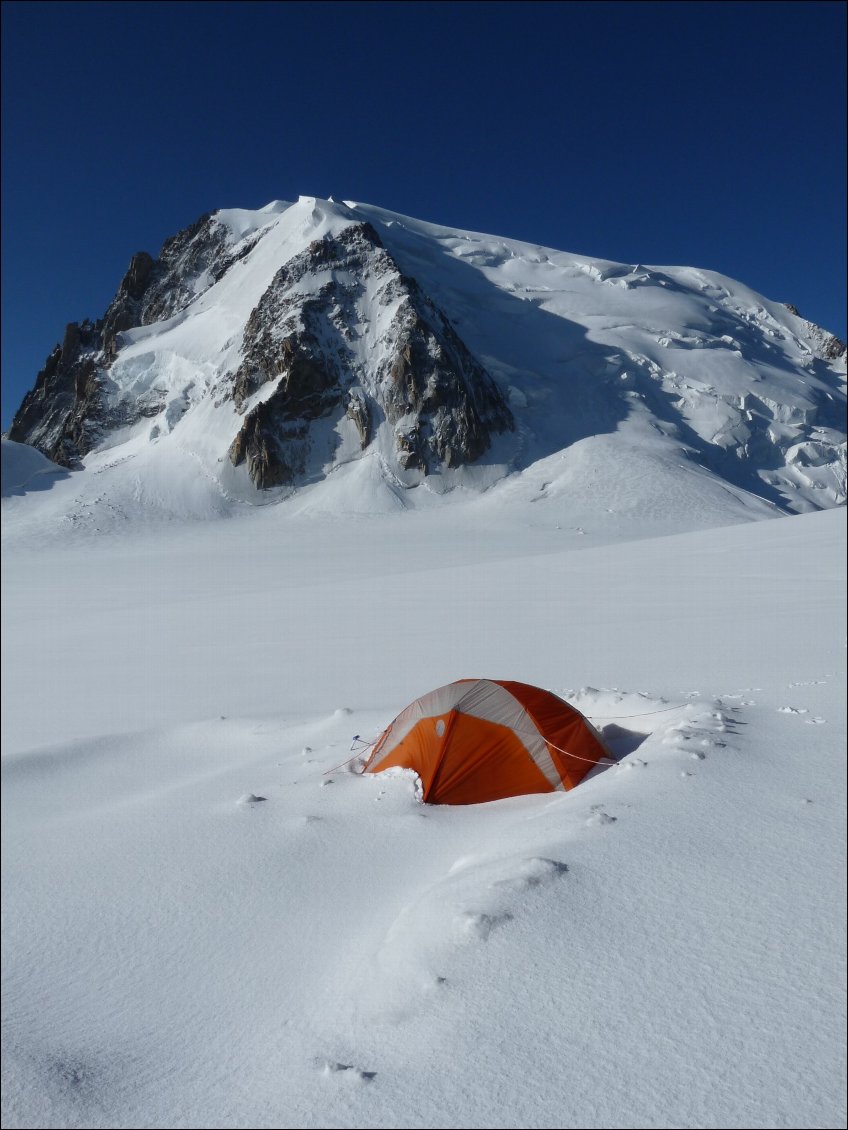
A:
(126, 308)
(61, 415)
(366, 337)
(155, 289)
(65, 415)
(359, 411)
(825, 345)
(833, 347)
(265, 434)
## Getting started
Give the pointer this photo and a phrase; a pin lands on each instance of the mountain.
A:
(318, 343)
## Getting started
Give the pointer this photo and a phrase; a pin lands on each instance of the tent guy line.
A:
(569, 753)
(628, 717)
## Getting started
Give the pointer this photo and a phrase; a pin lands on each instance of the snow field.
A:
(662, 946)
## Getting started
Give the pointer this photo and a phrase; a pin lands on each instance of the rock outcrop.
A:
(341, 325)
(825, 345)
(61, 415)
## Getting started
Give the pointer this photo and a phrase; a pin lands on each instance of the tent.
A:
(485, 739)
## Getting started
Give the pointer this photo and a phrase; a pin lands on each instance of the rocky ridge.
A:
(302, 359)
(66, 413)
(312, 347)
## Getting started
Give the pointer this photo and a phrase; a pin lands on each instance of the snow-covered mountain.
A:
(485, 459)
(363, 354)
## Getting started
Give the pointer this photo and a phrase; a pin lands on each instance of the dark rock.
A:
(138, 275)
(435, 378)
(833, 347)
(359, 411)
(444, 405)
(827, 346)
(64, 415)
(60, 416)
(125, 309)
(409, 453)
(259, 443)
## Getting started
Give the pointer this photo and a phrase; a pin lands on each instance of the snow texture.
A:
(211, 919)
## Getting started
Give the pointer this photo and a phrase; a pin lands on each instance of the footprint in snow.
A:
(76, 1075)
(251, 798)
(346, 1070)
(469, 926)
(533, 873)
(600, 817)
(815, 721)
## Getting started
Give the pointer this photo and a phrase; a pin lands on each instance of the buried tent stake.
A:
(363, 745)
(341, 765)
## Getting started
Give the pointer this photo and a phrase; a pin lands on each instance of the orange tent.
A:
(485, 739)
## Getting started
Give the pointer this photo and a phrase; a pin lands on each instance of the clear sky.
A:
(703, 134)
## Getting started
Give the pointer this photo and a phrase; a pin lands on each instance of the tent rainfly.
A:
(485, 739)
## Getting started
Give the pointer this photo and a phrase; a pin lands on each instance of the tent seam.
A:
(442, 752)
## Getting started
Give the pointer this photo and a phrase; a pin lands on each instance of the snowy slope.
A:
(663, 946)
(25, 469)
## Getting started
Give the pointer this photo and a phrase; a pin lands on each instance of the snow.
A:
(25, 469)
(211, 920)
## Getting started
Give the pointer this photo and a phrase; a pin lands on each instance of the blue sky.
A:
(705, 134)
